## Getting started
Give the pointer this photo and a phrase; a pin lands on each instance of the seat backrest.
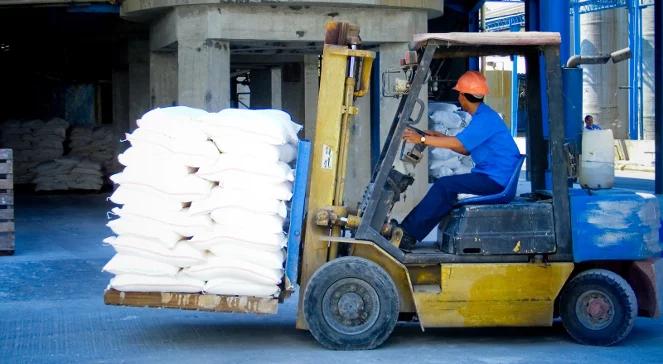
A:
(507, 194)
(512, 186)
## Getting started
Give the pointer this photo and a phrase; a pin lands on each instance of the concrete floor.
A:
(51, 311)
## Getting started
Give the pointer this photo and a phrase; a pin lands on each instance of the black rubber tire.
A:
(612, 291)
(371, 292)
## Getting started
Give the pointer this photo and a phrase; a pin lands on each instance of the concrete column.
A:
(276, 79)
(266, 88)
(292, 91)
(139, 79)
(311, 89)
(390, 55)
(163, 79)
(203, 74)
(261, 89)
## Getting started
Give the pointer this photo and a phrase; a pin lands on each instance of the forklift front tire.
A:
(598, 307)
(351, 303)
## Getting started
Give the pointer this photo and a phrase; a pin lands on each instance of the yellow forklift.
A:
(498, 261)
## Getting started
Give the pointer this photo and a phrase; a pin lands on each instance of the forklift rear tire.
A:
(351, 303)
(598, 307)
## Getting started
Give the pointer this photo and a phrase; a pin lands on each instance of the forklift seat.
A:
(507, 194)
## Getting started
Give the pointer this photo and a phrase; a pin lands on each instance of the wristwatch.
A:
(422, 140)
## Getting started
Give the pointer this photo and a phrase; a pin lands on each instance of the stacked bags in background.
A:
(449, 120)
(39, 148)
(203, 198)
(96, 144)
(33, 142)
(68, 174)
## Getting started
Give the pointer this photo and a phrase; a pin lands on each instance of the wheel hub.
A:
(595, 310)
(598, 309)
(350, 306)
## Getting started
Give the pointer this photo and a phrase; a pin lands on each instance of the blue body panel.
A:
(297, 209)
(614, 224)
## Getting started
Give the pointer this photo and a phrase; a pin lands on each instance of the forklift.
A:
(589, 257)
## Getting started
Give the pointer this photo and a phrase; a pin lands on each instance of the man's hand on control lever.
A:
(434, 139)
(434, 133)
(412, 136)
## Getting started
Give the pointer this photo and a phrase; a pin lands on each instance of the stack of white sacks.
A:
(203, 202)
(96, 144)
(33, 142)
(68, 173)
(449, 120)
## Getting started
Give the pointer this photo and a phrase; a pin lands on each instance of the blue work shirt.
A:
(490, 144)
(592, 127)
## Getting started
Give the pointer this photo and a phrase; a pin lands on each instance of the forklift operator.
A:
(486, 139)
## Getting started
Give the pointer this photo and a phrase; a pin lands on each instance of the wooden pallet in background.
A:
(7, 244)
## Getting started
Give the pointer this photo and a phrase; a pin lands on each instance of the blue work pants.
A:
(441, 198)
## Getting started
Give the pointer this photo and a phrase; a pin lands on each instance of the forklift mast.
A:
(345, 75)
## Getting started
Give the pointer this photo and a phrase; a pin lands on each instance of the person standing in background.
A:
(589, 123)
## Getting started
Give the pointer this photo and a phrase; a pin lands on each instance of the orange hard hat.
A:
(473, 83)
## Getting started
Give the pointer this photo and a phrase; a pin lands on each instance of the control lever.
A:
(412, 153)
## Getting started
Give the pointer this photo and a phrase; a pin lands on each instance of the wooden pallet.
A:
(7, 228)
(192, 301)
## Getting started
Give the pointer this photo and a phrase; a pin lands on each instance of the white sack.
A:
(441, 106)
(181, 187)
(449, 120)
(146, 228)
(179, 122)
(233, 287)
(265, 258)
(143, 283)
(158, 167)
(220, 245)
(181, 222)
(263, 185)
(273, 126)
(463, 170)
(181, 255)
(231, 162)
(442, 153)
(223, 234)
(218, 267)
(467, 161)
(441, 172)
(149, 147)
(243, 219)
(251, 200)
(129, 264)
(233, 143)
(147, 197)
(452, 163)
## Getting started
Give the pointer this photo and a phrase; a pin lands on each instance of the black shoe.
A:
(408, 242)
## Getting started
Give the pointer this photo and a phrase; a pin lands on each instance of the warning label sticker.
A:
(327, 157)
